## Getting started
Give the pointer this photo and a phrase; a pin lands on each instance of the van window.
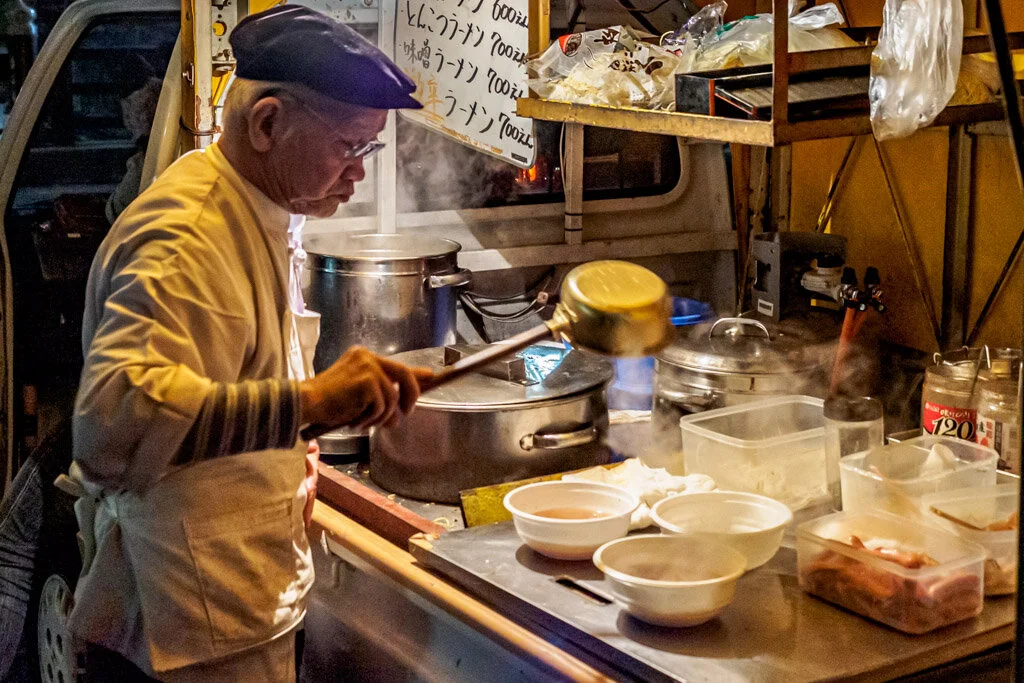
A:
(436, 173)
(96, 117)
(81, 164)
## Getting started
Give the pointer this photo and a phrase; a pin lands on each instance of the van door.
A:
(69, 158)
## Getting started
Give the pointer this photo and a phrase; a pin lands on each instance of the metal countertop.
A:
(772, 631)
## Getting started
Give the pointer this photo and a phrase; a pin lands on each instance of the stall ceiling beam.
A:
(637, 247)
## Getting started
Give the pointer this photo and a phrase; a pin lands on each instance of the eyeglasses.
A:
(345, 150)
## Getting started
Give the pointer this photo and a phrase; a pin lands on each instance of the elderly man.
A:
(197, 371)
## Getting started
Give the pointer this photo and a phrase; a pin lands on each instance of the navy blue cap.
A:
(294, 44)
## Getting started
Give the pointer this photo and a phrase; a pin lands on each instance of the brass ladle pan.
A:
(611, 307)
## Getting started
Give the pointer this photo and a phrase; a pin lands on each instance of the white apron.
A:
(304, 324)
(209, 574)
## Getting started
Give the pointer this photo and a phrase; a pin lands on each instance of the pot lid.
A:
(549, 372)
(742, 345)
(377, 247)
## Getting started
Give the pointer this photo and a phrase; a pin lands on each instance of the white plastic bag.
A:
(915, 66)
(749, 41)
(612, 66)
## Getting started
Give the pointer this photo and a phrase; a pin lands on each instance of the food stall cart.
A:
(402, 592)
(775, 632)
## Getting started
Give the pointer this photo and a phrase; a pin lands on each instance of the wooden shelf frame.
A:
(729, 130)
(779, 130)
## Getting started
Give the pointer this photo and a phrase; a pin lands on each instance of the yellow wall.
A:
(864, 214)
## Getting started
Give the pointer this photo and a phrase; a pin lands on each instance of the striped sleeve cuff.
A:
(254, 415)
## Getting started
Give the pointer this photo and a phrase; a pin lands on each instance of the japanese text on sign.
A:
(467, 58)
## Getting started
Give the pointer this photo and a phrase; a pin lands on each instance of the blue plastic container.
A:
(633, 387)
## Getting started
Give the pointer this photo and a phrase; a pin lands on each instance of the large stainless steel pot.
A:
(389, 293)
(492, 427)
(731, 361)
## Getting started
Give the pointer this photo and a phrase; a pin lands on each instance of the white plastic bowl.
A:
(570, 539)
(699, 577)
(752, 524)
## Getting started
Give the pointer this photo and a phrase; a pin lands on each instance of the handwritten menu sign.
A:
(467, 58)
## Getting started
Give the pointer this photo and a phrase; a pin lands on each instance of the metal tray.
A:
(771, 632)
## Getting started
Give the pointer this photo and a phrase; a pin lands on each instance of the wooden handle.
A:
(487, 356)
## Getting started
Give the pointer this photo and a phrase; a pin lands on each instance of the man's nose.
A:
(354, 171)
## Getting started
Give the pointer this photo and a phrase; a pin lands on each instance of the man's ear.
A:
(264, 117)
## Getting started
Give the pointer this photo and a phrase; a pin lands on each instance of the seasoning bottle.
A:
(999, 419)
(947, 406)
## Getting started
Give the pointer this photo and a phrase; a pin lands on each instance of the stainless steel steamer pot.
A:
(482, 429)
(731, 361)
(389, 293)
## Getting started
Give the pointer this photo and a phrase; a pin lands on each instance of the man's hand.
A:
(312, 458)
(361, 390)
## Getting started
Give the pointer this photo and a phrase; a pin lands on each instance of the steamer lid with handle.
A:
(742, 345)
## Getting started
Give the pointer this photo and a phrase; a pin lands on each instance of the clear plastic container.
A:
(894, 477)
(945, 590)
(982, 508)
(774, 447)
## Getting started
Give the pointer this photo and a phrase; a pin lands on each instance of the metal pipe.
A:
(997, 289)
(833, 188)
(916, 268)
(1011, 100)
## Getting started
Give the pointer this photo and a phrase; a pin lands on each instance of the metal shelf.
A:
(728, 130)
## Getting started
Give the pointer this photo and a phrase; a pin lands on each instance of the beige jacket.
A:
(205, 560)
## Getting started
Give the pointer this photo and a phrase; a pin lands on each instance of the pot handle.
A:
(694, 402)
(459, 278)
(739, 322)
(549, 442)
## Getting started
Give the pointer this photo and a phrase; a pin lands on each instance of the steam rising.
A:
(438, 174)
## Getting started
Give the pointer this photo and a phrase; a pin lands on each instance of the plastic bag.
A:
(703, 25)
(749, 41)
(915, 66)
(612, 66)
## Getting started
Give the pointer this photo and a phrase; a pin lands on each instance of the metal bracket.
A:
(224, 16)
(956, 260)
(197, 115)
